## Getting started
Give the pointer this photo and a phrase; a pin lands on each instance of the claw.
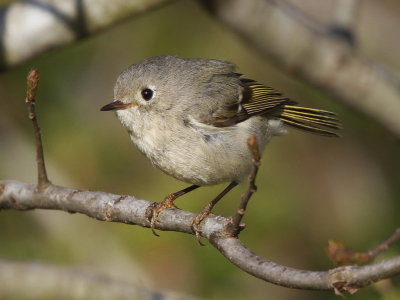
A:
(150, 215)
(154, 210)
(196, 222)
(153, 225)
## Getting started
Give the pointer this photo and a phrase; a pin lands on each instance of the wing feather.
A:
(258, 99)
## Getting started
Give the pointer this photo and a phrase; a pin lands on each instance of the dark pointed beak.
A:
(116, 105)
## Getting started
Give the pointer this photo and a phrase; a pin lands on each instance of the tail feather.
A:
(315, 120)
(310, 119)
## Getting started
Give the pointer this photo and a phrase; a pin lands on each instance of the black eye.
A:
(147, 94)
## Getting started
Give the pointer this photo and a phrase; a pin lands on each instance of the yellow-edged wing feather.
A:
(258, 99)
(264, 100)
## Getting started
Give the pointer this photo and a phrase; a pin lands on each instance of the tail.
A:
(310, 119)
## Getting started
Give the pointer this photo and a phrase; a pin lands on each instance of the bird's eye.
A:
(147, 94)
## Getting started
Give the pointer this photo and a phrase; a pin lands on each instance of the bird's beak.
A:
(116, 105)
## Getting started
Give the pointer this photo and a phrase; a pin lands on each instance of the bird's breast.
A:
(192, 154)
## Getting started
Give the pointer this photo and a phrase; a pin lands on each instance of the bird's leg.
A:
(156, 208)
(207, 210)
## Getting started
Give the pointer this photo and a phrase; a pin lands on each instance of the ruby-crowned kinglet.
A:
(192, 117)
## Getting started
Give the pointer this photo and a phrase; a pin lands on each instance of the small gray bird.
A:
(192, 117)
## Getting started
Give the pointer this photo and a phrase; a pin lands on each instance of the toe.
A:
(196, 226)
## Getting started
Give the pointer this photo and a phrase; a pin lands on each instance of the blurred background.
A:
(310, 189)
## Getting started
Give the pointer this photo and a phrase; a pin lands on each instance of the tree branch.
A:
(32, 280)
(314, 52)
(130, 210)
(49, 24)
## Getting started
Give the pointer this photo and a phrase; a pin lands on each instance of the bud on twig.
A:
(33, 83)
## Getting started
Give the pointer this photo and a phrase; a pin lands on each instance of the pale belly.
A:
(202, 158)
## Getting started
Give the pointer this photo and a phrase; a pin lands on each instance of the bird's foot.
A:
(196, 222)
(155, 209)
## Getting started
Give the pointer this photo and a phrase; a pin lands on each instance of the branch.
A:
(302, 46)
(384, 245)
(30, 28)
(252, 188)
(346, 12)
(130, 210)
(27, 280)
(32, 85)
(342, 255)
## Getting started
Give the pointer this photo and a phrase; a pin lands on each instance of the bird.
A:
(191, 117)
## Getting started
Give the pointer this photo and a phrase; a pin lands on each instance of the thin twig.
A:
(384, 245)
(32, 85)
(256, 158)
(342, 255)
